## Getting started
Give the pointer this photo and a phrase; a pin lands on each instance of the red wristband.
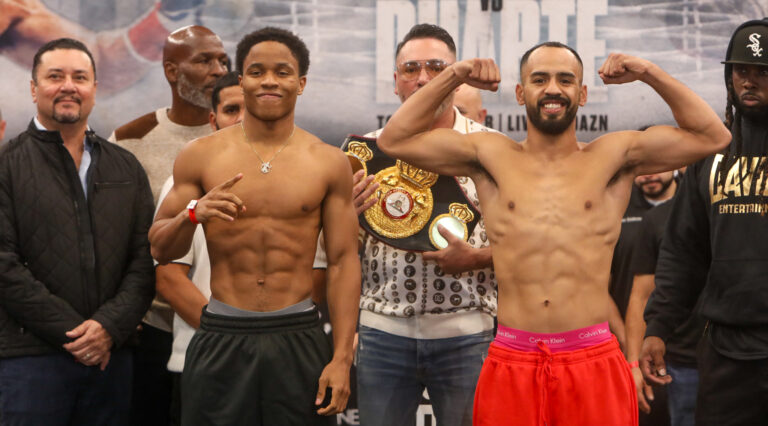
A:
(191, 209)
(633, 364)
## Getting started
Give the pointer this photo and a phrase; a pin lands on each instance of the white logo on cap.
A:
(755, 46)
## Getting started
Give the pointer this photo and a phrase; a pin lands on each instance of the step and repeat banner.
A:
(352, 45)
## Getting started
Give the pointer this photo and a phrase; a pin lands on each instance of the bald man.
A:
(470, 104)
(193, 60)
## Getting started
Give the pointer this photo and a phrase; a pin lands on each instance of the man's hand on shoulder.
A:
(620, 68)
(480, 73)
(335, 376)
(458, 256)
(219, 202)
(91, 345)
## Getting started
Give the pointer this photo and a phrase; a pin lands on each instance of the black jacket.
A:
(65, 258)
(716, 248)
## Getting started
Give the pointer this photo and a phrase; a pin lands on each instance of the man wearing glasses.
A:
(426, 320)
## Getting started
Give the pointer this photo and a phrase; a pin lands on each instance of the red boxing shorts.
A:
(583, 387)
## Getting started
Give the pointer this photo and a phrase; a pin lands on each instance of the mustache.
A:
(68, 98)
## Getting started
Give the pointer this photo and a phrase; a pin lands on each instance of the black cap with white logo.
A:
(748, 46)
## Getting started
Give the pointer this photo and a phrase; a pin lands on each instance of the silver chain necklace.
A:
(266, 166)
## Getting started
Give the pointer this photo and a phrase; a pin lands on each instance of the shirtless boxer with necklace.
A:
(260, 356)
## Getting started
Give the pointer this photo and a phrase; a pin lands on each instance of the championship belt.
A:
(412, 201)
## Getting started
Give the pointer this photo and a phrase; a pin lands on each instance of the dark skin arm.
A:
(340, 230)
(171, 234)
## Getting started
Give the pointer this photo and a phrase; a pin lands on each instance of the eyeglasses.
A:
(411, 70)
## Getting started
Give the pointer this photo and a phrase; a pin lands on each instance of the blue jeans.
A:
(392, 372)
(681, 395)
(55, 390)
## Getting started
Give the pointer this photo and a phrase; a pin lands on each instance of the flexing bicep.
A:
(186, 184)
(443, 151)
(664, 148)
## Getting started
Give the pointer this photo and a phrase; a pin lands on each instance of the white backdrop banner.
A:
(352, 43)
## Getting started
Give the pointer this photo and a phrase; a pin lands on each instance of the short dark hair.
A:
(227, 80)
(555, 44)
(290, 40)
(61, 43)
(427, 31)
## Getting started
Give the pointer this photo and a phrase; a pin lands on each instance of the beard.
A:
(68, 117)
(757, 113)
(654, 194)
(551, 126)
(191, 93)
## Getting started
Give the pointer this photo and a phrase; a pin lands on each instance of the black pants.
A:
(731, 391)
(255, 371)
(176, 400)
(152, 382)
(659, 415)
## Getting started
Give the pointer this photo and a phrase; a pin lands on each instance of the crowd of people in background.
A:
(171, 273)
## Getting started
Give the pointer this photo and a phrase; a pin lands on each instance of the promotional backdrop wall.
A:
(352, 44)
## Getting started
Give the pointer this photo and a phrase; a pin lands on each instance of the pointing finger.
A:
(228, 184)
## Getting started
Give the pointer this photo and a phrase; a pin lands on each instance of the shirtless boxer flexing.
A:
(553, 212)
(263, 190)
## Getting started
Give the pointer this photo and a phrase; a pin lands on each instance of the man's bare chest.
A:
(290, 188)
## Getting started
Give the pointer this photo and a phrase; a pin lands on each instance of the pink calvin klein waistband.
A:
(581, 338)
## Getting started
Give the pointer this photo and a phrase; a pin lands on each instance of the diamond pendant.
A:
(266, 167)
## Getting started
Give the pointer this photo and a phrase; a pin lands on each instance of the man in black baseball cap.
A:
(715, 250)
(747, 44)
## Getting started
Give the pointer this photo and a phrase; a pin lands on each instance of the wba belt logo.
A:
(755, 46)
(412, 202)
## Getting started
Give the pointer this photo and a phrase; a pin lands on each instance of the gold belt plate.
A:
(405, 201)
